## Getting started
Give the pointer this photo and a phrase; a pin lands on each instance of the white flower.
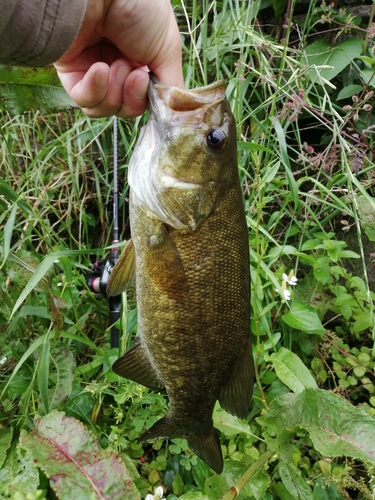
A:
(291, 280)
(3, 360)
(159, 492)
(286, 294)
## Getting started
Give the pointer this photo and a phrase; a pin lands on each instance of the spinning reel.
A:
(97, 278)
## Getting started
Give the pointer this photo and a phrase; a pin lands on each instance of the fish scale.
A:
(189, 253)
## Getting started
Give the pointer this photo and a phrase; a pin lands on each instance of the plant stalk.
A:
(234, 491)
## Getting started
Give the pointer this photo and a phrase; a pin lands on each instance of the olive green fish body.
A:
(192, 271)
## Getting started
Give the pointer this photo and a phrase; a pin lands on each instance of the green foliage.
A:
(302, 94)
(23, 89)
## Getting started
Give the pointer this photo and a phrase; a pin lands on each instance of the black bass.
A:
(190, 249)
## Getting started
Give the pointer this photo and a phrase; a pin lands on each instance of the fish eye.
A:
(216, 139)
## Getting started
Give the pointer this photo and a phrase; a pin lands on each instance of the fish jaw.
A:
(173, 172)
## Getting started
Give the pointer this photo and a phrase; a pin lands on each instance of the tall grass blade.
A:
(8, 233)
(285, 161)
(43, 373)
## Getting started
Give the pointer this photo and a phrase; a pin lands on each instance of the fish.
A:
(189, 258)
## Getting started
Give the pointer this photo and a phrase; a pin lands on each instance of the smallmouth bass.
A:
(189, 254)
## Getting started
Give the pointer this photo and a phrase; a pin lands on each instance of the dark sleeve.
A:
(38, 32)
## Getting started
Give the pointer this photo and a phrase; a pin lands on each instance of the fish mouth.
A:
(184, 100)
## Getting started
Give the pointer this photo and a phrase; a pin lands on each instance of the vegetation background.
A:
(301, 85)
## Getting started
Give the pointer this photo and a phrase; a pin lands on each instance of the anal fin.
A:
(235, 396)
(136, 366)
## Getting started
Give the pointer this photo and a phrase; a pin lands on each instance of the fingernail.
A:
(140, 88)
(101, 78)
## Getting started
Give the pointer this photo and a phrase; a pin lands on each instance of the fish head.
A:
(186, 154)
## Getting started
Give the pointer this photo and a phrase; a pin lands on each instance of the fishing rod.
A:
(97, 278)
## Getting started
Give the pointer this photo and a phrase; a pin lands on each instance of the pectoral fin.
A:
(235, 396)
(164, 265)
(135, 365)
(123, 274)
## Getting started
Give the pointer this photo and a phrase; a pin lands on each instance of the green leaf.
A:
(259, 484)
(178, 485)
(284, 156)
(201, 472)
(43, 373)
(19, 472)
(291, 370)
(326, 490)
(363, 322)
(70, 456)
(35, 345)
(359, 371)
(252, 146)
(229, 424)
(12, 196)
(62, 374)
(294, 482)
(271, 342)
(24, 89)
(215, 487)
(270, 174)
(193, 495)
(321, 53)
(366, 206)
(349, 91)
(349, 254)
(321, 270)
(278, 8)
(248, 481)
(303, 317)
(336, 427)
(367, 75)
(282, 492)
(277, 252)
(6, 436)
(40, 272)
(8, 233)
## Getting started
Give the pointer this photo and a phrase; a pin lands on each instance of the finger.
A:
(169, 72)
(86, 88)
(167, 66)
(135, 89)
(126, 93)
(112, 101)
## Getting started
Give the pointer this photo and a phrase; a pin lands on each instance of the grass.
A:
(305, 150)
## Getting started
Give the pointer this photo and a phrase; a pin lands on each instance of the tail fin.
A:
(206, 446)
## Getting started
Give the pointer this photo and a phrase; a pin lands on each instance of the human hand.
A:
(105, 70)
